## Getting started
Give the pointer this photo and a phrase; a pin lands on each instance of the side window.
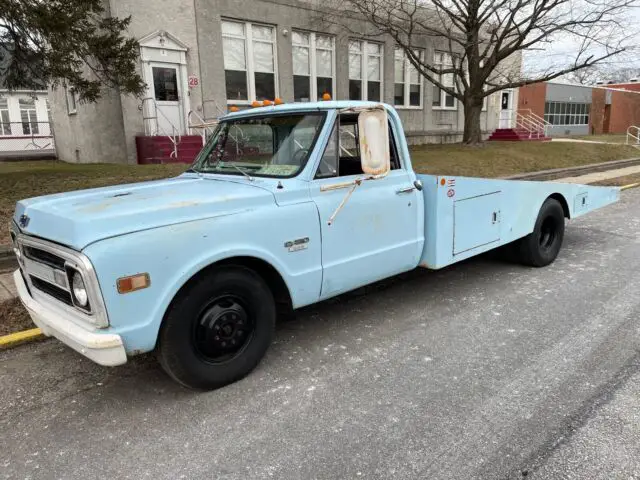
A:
(341, 157)
(329, 162)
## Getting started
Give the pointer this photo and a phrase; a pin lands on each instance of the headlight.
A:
(79, 290)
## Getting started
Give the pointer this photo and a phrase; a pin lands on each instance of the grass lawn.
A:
(620, 181)
(499, 159)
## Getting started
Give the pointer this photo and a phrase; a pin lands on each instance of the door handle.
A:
(405, 190)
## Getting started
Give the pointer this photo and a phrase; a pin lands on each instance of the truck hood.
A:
(77, 219)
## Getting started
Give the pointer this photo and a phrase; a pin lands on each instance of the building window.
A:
(441, 99)
(28, 116)
(365, 71)
(72, 104)
(5, 122)
(249, 61)
(408, 82)
(313, 66)
(565, 113)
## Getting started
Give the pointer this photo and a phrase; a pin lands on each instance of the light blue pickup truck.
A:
(285, 206)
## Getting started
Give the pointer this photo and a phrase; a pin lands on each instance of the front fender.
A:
(172, 255)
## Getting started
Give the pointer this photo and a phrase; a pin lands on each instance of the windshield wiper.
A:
(241, 170)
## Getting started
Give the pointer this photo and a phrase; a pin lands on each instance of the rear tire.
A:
(541, 247)
(217, 329)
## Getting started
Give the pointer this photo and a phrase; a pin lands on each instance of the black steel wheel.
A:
(218, 328)
(224, 329)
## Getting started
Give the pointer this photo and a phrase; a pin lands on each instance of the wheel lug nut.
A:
(224, 344)
(217, 327)
(233, 342)
(216, 337)
(239, 333)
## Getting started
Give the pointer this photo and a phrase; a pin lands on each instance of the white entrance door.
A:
(506, 109)
(167, 92)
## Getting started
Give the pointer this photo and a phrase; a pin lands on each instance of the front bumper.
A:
(103, 348)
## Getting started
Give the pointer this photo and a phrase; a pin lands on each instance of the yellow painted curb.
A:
(17, 338)
(631, 185)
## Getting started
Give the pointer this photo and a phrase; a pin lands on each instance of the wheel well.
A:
(269, 274)
(565, 206)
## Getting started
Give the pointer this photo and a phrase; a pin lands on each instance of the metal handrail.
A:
(175, 136)
(204, 126)
(636, 136)
(544, 124)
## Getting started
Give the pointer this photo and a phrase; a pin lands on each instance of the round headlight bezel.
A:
(79, 291)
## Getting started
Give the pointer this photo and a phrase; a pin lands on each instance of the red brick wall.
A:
(596, 116)
(634, 87)
(625, 111)
(532, 97)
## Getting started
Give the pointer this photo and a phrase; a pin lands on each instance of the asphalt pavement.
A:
(483, 370)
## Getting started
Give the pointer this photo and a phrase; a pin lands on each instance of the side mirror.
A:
(373, 127)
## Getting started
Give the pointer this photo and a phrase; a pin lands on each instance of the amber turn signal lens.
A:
(442, 181)
(133, 283)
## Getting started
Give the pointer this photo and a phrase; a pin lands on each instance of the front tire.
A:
(217, 329)
(541, 247)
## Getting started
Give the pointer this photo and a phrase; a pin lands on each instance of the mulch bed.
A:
(14, 317)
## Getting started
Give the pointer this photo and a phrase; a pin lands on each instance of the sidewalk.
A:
(599, 176)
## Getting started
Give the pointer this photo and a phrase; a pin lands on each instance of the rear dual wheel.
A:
(218, 328)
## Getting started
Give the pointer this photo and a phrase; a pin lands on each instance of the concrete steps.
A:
(516, 135)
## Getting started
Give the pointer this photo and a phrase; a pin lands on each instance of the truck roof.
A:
(302, 106)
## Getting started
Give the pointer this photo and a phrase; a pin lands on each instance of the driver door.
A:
(376, 233)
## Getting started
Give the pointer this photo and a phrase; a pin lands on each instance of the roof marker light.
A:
(326, 97)
(255, 104)
(267, 103)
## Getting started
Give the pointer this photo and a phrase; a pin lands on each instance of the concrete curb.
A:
(18, 338)
(555, 173)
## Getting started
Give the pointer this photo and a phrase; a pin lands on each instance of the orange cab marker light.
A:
(255, 104)
(267, 103)
(442, 182)
(278, 101)
(234, 109)
(133, 283)
(326, 97)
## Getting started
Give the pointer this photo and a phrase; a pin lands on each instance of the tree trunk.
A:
(472, 132)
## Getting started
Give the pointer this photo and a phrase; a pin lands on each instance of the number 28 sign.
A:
(194, 81)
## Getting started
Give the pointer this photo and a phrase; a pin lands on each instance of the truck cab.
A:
(284, 206)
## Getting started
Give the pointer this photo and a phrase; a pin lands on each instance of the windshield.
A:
(270, 146)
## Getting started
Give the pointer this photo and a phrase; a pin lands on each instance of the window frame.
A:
(313, 67)
(70, 94)
(364, 68)
(29, 109)
(578, 111)
(5, 125)
(443, 94)
(250, 72)
(407, 81)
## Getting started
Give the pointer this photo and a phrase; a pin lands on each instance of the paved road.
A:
(486, 370)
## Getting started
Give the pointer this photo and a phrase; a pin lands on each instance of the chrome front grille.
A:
(48, 268)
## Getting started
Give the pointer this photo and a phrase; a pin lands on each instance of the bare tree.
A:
(484, 41)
